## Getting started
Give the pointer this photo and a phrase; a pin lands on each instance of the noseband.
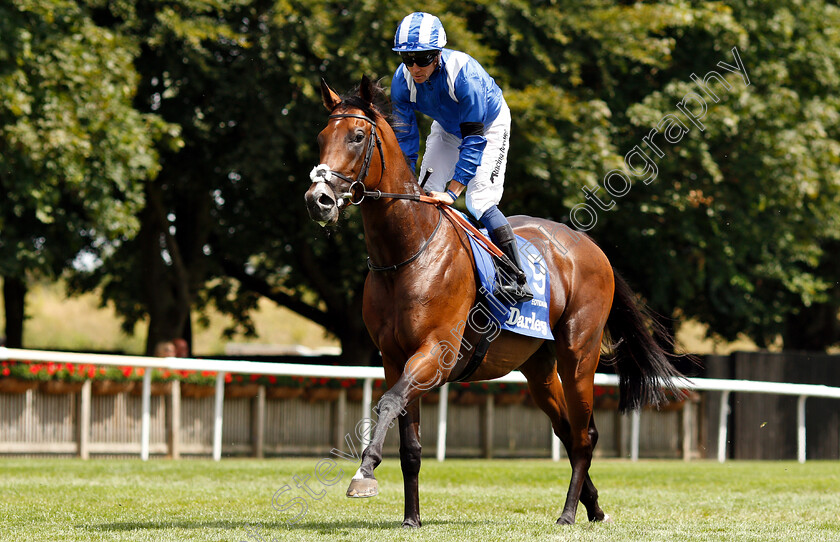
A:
(323, 173)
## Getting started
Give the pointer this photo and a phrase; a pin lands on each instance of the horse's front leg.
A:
(410, 455)
(419, 375)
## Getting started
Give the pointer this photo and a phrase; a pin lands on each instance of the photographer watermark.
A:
(326, 473)
(672, 129)
(294, 499)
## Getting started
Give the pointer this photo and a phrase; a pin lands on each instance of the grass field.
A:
(461, 500)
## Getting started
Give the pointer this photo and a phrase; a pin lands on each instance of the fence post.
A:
(258, 423)
(442, 413)
(635, 428)
(367, 400)
(800, 428)
(487, 412)
(555, 446)
(687, 426)
(145, 425)
(339, 412)
(618, 427)
(218, 415)
(722, 421)
(84, 421)
(173, 436)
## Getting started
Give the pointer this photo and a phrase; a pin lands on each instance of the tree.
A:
(73, 151)
(266, 243)
(221, 227)
(735, 221)
(185, 48)
(734, 227)
(745, 208)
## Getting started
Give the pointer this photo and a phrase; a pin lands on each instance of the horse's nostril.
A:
(325, 201)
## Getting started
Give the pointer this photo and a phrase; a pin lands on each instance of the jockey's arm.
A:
(448, 198)
(404, 121)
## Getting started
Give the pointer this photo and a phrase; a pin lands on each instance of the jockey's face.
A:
(421, 74)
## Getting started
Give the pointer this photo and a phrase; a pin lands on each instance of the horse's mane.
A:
(381, 105)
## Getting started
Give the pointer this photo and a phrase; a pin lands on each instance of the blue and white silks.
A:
(459, 91)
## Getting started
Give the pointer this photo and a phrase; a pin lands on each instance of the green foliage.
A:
(73, 150)
(738, 217)
(736, 230)
(735, 226)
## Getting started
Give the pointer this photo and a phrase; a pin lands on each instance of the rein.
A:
(373, 267)
(453, 215)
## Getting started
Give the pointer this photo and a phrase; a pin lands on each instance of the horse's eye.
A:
(359, 137)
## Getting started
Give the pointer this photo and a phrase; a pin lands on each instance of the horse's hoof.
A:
(601, 517)
(363, 487)
(411, 524)
(563, 520)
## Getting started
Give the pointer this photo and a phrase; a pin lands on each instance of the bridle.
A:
(357, 191)
(323, 172)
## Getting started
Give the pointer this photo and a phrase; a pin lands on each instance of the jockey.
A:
(468, 143)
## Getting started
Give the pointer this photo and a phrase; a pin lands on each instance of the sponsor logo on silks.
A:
(526, 322)
(501, 159)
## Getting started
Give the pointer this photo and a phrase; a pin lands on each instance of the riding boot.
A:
(511, 283)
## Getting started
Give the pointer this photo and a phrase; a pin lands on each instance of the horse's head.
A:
(347, 158)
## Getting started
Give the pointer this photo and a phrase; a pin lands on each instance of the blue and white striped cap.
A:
(419, 32)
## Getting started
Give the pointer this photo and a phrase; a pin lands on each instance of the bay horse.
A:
(422, 287)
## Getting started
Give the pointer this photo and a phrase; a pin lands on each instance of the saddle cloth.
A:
(525, 318)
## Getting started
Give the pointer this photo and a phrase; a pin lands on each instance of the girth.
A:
(482, 345)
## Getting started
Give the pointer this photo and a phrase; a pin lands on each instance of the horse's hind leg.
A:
(589, 495)
(577, 373)
(547, 393)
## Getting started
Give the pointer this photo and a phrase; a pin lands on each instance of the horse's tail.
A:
(645, 369)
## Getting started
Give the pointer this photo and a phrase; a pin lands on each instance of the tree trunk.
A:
(359, 350)
(14, 295)
(165, 279)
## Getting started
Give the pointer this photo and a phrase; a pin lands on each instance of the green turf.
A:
(461, 500)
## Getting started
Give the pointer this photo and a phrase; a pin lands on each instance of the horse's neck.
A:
(395, 229)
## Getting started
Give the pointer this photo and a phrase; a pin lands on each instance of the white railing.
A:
(369, 374)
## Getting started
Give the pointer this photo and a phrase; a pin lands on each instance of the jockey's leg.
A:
(501, 233)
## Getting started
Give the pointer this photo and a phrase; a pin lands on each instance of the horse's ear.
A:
(329, 96)
(366, 90)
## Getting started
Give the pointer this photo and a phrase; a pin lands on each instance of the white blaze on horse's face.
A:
(322, 201)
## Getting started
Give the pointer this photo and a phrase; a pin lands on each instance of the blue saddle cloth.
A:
(525, 318)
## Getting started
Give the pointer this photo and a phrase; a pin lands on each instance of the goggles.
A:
(422, 59)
